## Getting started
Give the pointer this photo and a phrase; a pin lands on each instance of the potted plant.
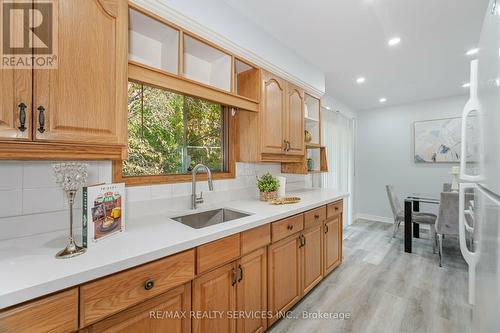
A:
(268, 187)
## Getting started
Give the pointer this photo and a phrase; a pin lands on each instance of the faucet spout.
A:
(195, 199)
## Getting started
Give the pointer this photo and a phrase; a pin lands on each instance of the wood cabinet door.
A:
(272, 114)
(251, 296)
(84, 100)
(168, 312)
(312, 258)
(284, 267)
(295, 120)
(15, 91)
(332, 243)
(214, 294)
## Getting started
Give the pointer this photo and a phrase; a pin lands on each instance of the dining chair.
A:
(417, 217)
(447, 222)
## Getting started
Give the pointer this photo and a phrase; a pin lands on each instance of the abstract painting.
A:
(437, 141)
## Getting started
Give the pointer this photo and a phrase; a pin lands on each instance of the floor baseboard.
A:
(373, 218)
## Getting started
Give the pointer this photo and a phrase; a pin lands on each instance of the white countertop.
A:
(28, 268)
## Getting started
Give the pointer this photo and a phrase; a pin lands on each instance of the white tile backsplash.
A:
(11, 175)
(41, 200)
(11, 202)
(31, 202)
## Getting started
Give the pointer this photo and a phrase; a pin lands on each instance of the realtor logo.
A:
(29, 34)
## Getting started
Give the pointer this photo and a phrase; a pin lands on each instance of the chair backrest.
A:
(447, 222)
(393, 201)
(447, 187)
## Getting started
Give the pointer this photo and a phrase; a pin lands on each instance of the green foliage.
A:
(267, 183)
(169, 132)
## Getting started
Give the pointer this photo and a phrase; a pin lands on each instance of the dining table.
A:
(412, 204)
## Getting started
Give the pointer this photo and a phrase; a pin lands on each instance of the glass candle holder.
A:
(70, 176)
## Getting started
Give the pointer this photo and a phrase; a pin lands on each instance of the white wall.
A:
(334, 104)
(239, 35)
(384, 154)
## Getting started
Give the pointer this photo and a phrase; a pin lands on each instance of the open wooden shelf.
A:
(318, 154)
(153, 43)
(206, 64)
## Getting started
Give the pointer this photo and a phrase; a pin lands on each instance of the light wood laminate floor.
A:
(385, 289)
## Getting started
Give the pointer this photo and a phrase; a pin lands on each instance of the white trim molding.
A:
(373, 218)
(196, 28)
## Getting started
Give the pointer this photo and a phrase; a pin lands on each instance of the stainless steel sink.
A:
(208, 218)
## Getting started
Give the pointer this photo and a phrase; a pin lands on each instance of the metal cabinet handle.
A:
(289, 227)
(284, 145)
(149, 284)
(287, 145)
(22, 116)
(234, 278)
(41, 119)
(241, 273)
(302, 241)
(326, 229)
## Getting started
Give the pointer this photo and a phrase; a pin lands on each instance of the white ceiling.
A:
(348, 39)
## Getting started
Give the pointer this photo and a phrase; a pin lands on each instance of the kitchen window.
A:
(169, 133)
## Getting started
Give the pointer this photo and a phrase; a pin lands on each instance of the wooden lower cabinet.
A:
(251, 293)
(214, 295)
(246, 295)
(284, 273)
(312, 255)
(57, 313)
(332, 239)
(168, 312)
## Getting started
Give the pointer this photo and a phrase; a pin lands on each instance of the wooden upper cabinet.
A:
(84, 100)
(15, 104)
(294, 120)
(273, 114)
(15, 96)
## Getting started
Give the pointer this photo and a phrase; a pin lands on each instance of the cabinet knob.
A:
(289, 227)
(41, 119)
(316, 216)
(22, 116)
(336, 208)
(149, 284)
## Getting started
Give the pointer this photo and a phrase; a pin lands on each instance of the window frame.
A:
(229, 153)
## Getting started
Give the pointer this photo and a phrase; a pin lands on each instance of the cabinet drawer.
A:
(112, 294)
(55, 313)
(284, 228)
(314, 217)
(334, 208)
(255, 238)
(217, 253)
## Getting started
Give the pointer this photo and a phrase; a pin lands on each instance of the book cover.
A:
(103, 212)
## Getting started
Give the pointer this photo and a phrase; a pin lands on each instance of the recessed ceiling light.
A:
(360, 80)
(472, 51)
(394, 41)
(383, 100)
(466, 85)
